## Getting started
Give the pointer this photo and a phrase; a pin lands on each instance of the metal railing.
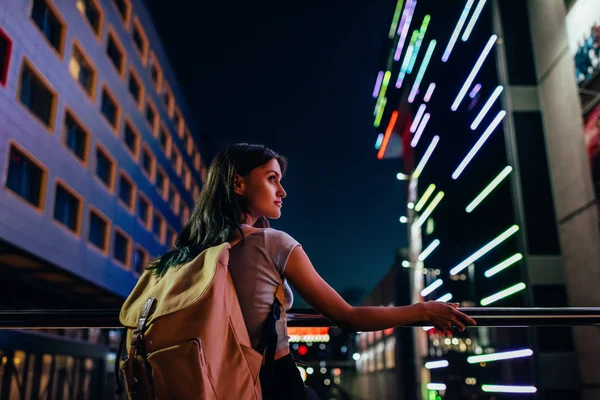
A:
(485, 316)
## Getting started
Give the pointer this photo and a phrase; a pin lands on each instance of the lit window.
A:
(67, 208)
(37, 95)
(26, 177)
(76, 137)
(80, 68)
(52, 26)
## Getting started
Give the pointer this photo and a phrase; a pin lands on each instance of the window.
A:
(37, 95)
(185, 214)
(162, 183)
(155, 71)
(168, 99)
(105, 168)
(80, 68)
(197, 161)
(158, 227)
(176, 160)
(187, 178)
(144, 211)
(110, 109)
(50, 23)
(99, 230)
(196, 192)
(140, 260)
(5, 51)
(171, 237)
(124, 10)
(148, 163)
(178, 122)
(26, 177)
(174, 200)
(127, 191)
(132, 139)
(136, 88)
(164, 139)
(92, 13)
(189, 142)
(122, 248)
(151, 117)
(76, 137)
(115, 52)
(68, 207)
(140, 40)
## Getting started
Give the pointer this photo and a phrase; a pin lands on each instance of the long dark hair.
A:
(219, 211)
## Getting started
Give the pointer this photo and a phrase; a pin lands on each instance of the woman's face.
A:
(262, 188)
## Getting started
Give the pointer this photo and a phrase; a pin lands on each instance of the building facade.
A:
(478, 100)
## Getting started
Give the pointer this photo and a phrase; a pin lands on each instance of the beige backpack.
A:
(186, 337)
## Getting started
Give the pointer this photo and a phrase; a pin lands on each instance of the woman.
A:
(242, 191)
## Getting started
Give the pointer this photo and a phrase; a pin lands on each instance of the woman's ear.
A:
(239, 186)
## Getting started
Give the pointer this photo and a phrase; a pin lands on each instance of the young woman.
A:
(242, 191)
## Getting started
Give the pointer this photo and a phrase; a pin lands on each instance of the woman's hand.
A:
(444, 315)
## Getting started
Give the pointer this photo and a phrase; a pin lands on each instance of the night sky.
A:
(298, 78)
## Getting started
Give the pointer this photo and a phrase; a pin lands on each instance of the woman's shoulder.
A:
(277, 235)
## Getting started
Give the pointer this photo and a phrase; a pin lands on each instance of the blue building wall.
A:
(35, 231)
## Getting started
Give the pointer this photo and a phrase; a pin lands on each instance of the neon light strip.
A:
(378, 142)
(424, 64)
(417, 172)
(502, 294)
(503, 265)
(406, 264)
(508, 389)
(489, 188)
(478, 145)
(404, 26)
(471, 259)
(425, 197)
(446, 297)
(415, 139)
(377, 121)
(415, 123)
(407, 56)
(457, 29)
(396, 18)
(429, 92)
(377, 84)
(473, 20)
(475, 90)
(474, 71)
(432, 246)
(415, 53)
(388, 133)
(486, 107)
(437, 364)
(431, 287)
(507, 355)
(436, 386)
(430, 209)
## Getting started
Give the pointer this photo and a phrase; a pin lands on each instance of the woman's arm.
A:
(300, 272)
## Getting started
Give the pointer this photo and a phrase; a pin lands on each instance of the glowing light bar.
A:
(507, 355)
(474, 71)
(503, 265)
(422, 69)
(471, 259)
(429, 92)
(432, 246)
(437, 364)
(502, 294)
(388, 133)
(402, 177)
(429, 289)
(475, 90)
(404, 25)
(473, 20)
(377, 84)
(508, 389)
(410, 205)
(446, 297)
(407, 57)
(436, 386)
(378, 142)
(403, 219)
(430, 209)
(488, 132)
(425, 197)
(396, 18)
(418, 116)
(406, 264)
(489, 188)
(457, 29)
(415, 139)
(486, 107)
(417, 172)
(380, 113)
(415, 52)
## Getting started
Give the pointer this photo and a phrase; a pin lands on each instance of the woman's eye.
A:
(272, 178)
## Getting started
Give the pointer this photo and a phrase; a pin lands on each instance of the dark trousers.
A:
(283, 381)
